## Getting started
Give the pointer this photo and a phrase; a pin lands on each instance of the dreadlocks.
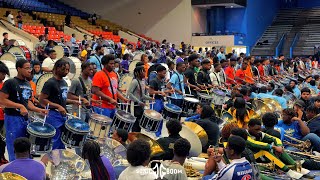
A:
(91, 151)
(137, 71)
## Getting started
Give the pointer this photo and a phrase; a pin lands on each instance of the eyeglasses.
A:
(27, 68)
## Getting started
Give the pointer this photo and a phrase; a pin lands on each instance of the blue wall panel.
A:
(308, 3)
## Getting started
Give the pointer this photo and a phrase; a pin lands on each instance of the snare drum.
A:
(14, 57)
(122, 120)
(75, 133)
(171, 112)
(99, 126)
(40, 137)
(219, 97)
(205, 98)
(150, 120)
(189, 105)
(35, 117)
(23, 50)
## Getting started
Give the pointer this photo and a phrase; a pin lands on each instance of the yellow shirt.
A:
(239, 123)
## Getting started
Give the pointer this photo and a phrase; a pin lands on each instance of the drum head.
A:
(59, 50)
(132, 65)
(12, 68)
(113, 149)
(191, 99)
(9, 57)
(78, 126)
(11, 176)
(16, 49)
(40, 129)
(75, 67)
(205, 96)
(219, 92)
(172, 108)
(125, 116)
(196, 147)
(152, 114)
(101, 118)
(125, 82)
(137, 57)
(42, 79)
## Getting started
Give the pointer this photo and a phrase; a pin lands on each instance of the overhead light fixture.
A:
(231, 6)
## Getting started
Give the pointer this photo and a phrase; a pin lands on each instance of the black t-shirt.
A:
(19, 91)
(157, 85)
(18, 17)
(56, 90)
(191, 74)
(203, 78)
(167, 144)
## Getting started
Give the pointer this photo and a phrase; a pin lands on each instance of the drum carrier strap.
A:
(16, 83)
(84, 89)
(98, 60)
(109, 83)
(179, 81)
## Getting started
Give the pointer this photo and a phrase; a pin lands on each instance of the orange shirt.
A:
(249, 75)
(101, 81)
(230, 73)
(1, 110)
(146, 68)
(261, 71)
(34, 90)
(241, 75)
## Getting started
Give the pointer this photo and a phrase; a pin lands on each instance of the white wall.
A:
(159, 19)
(199, 20)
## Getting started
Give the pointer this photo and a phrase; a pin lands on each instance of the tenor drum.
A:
(13, 57)
(23, 50)
(218, 97)
(150, 120)
(205, 98)
(171, 112)
(75, 67)
(75, 133)
(122, 120)
(40, 137)
(99, 126)
(35, 117)
(189, 105)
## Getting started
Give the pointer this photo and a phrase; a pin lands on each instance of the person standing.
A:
(96, 58)
(10, 18)
(137, 95)
(15, 96)
(3, 72)
(48, 63)
(19, 18)
(191, 74)
(230, 72)
(177, 83)
(54, 93)
(105, 86)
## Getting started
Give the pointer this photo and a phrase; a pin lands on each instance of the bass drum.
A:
(18, 42)
(75, 67)
(13, 57)
(12, 69)
(61, 51)
(125, 82)
(44, 78)
(23, 50)
(132, 65)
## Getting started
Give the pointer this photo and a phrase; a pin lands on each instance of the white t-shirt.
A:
(215, 78)
(48, 63)
(138, 172)
(10, 19)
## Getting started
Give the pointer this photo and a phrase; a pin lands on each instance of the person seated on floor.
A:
(121, 136)
(174, 127)
(23, 165)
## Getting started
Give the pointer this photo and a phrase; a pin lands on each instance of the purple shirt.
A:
(179, 60)
(109, 167)
(125, 65)
(27, 168)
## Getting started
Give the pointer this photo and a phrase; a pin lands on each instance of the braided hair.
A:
(241, 111)
(4, 69)
(91, 151)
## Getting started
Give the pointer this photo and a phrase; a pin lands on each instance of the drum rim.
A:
(171, 110)
(186, 99)
(37, 134)
(76, 130)
(103, 122)
(151, 110)
(123, 118)
(214, 91)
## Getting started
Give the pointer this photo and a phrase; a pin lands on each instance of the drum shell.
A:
(204, 98)
(190, 105)
(122, 122)
(170, 114)
(74, 137)
(23, 50)
(14, 57)
(218, 97)
(99, 128)
(150, 124)
(40, 142)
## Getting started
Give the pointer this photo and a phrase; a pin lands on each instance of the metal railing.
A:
(294, 42)
(280, 44)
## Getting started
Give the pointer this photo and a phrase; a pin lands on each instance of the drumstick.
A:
(206, 88)
(188, 87)
(174, 92)
(127, 107)
(153, 100)
(45, 116)
(100, 105)
(79, 107)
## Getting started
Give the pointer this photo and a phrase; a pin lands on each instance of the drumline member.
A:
(203, 78)
(248, 72)
(15, 96)
(97, 58)
(23, 165)
(3, 72)
(279, 98)
(230, 72)
(136, 93)
(174, 127)
(295, 89)
(191, 74)
(48, 63)
(177, 82)
(215, 76)
(100, 165)
(240, 76)
(81, 86)
(223, 77)
(54, 93)
(121, 136)
(105, 86)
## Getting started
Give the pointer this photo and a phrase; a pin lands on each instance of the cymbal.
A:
(11, 176)
(199, 131)
(187, 133)
(67, 165)
(113, 149)
(259, 108)
(272, 104)
(156, 149)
